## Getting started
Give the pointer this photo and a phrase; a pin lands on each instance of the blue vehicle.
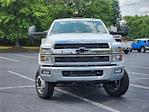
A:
(141, 45)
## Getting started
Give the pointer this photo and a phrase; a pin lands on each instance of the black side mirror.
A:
(123, 31)
(32, 32)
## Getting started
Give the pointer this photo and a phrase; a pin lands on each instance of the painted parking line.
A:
(140, 79)
(17, 74)
(135, 66)
(138, 86)
(138, 73)
(25, 56)
(9, 59)
(88, 101)
(73, 95)
(16, 87)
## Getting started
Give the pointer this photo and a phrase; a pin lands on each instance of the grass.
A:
(18, 49)
(4, 47)
(31, 47)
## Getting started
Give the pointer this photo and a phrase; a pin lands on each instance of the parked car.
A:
(141, 45)
(126, 46)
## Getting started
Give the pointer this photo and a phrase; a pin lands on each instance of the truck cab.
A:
(79, 52)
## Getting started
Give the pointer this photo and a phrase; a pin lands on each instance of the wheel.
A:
(126, 51)
(44, 89)
(139, 50)
(142, 50)
(117, 88)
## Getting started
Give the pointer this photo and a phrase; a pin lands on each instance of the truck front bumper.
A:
(54, 74)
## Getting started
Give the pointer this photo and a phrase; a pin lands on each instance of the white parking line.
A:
(140, 79)
(88, 101)
(73, 95)
(20, 55)
(138, 73)
(9, 59)
(20, 75)
(17, 87)
(135, 66)
(138, 86)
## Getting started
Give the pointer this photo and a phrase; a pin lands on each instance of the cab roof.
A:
(78, 19)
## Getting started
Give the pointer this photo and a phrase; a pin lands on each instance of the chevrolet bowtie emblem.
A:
(81, 50)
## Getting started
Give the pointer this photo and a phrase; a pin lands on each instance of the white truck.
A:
(79, 52)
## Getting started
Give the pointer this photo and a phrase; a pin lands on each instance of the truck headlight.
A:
(117, 57)
(45, 58)
(117, 50)
(45, 50)
(45, 55)
(118, 54)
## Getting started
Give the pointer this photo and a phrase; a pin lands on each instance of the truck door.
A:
(147, 43)
(136, 44)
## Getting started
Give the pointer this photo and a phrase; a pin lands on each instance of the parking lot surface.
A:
(17, 91)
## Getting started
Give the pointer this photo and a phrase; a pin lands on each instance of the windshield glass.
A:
(78, 27)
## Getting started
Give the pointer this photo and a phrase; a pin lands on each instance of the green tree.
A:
(116, 13)
(138, 26)
(17, 15)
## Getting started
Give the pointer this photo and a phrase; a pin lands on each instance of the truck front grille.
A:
(83, 59)
(82, 73)
(78, 45)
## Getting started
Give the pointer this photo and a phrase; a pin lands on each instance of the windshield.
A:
(78, 27)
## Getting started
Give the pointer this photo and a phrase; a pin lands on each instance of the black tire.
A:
(48, 88)
(126, 51)
(122, 88)
(142, 50)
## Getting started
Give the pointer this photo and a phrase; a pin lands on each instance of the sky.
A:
(134, 7)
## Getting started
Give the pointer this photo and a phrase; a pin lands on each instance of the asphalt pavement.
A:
(17, 91)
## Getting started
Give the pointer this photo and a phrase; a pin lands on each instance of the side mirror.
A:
(123, 31)
(32, 32)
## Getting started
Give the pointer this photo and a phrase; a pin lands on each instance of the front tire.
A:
(142, 50)
(44, 89)
(117, 88)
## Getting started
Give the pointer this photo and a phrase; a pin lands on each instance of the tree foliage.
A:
(138, 26)
(17, 15)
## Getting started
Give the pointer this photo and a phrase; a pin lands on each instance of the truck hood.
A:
(78, 38)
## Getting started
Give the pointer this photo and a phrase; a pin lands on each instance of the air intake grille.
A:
(82, 73)
(83, 59)
(78, 45)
